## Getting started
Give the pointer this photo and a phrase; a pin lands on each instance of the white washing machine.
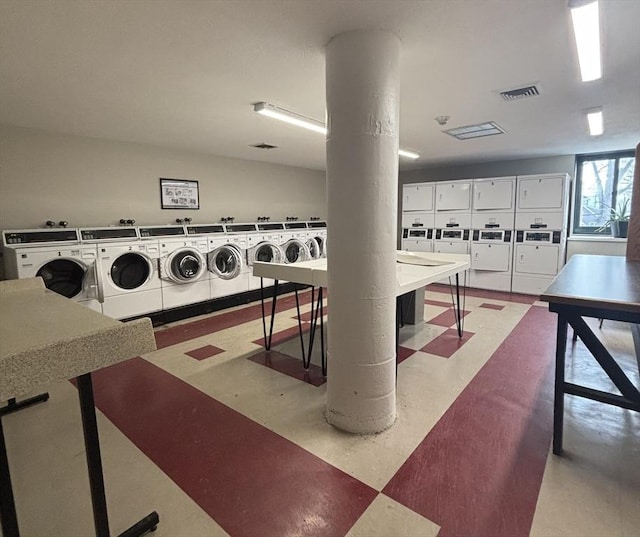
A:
(293, 242)
(227, 260)
(451, 240)
(417, 239)
(182, 265)
(127, 274)
(538, 257)
(491, 257)
(264, 246)
(317, 229)
(56, 255)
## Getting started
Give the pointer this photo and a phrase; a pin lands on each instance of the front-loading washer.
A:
(128, 276)
(182, 265)
(317, 229)
(264, 246)
(227, 260)
(491, 259)
(293, 242)
(57, 256)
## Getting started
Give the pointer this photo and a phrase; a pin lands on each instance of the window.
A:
(603, 183)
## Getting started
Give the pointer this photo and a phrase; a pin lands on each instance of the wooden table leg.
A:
(558, 401)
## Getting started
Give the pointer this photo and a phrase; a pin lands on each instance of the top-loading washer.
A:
(264, 246)
(127, 271)
(317, 229)
(57, 256)
(293, 242)
(227, 260)
(182, 265)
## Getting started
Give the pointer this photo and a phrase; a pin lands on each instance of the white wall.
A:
(93, 182)
(596, 246)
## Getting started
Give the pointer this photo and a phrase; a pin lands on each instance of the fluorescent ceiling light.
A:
(586, 28)
(275, 112)
(594, 118)
(475, 131)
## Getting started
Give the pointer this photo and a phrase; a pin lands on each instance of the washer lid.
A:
(185, 265)
(267, 252)
(295, 250)
(130, 271)
(63, 276)
(225, 262)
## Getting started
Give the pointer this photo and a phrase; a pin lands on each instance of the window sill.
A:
(591, 238)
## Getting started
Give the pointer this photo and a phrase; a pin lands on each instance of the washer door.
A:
(226, 262)
(295, 250)
(131, 271)
(185, 265)
(322, 243)
(63, 276)
(314, 248)
(267, 252)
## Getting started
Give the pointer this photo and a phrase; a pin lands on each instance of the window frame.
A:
(587, 231)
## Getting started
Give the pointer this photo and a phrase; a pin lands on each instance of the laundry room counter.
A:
(45, 338)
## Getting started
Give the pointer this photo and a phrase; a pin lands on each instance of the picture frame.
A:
(179, 194)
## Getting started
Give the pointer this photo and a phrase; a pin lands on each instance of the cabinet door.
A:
(453, 196)
(541, 192)
(417, 197)
(494, 194)
(442, 247)
(486, 256)
(532, 259)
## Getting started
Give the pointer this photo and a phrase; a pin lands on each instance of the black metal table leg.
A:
(94, 465)
(305, 363)
(323, 356)
(267, 340)
(558, 398)
(8, 515)
(13, 405)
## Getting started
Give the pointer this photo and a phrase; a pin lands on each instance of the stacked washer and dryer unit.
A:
(514, 228)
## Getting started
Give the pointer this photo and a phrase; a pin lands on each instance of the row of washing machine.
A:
(129, 271)
(522, 260)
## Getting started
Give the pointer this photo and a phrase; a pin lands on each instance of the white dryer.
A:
(417, 239)
(182, 266)
(227, 260)
(293, 242)
(127, 273)
(537, 258)
(264, 246)
(491, 255)
(317, 229)
(451, 240)
(56, 255)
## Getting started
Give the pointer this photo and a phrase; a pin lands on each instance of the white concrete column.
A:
(362, 178)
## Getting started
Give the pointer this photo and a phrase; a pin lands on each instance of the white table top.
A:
(411, 270)
(45, 337)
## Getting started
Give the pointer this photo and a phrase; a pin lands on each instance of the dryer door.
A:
(315, 252)
(225, 262)
(63, 276)
(267, 252)
(131, 271)
(185, 265)
(295, 250)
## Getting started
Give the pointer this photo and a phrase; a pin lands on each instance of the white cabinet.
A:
(497, 194)
(537, 259)
(453, 196)
(494, 257)
(417, 197)
(541, 192)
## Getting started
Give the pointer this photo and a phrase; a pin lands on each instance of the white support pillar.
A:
(362, 178)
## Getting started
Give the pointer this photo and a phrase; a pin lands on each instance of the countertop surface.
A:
(45, 337)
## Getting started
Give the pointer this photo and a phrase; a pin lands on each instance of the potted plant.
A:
(618, 220)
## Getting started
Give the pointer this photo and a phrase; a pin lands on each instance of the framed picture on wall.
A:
(179, 194)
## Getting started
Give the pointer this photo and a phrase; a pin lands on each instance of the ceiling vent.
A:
(264, 146)
(475, 131)
(520, 93)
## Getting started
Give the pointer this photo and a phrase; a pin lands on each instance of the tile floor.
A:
(223, 438)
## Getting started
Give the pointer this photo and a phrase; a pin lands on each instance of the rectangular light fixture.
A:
(275, 112)
(475, 131)
(586, 28)
(595, 119)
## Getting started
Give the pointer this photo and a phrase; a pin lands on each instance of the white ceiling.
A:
(185, 74)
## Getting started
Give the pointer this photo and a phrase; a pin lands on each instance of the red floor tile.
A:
(491, 306)
(204, 352)
(252, 481)
(284, 335)
(478, 472)
(166, 337)
(306, 316)
(447, 343)
(404, 353)
(447, 318)
(289, 366)
(485, 293)
(437, 303)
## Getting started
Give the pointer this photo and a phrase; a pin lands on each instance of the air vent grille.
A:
(475, 131)
(264, 146)
(520, 93)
